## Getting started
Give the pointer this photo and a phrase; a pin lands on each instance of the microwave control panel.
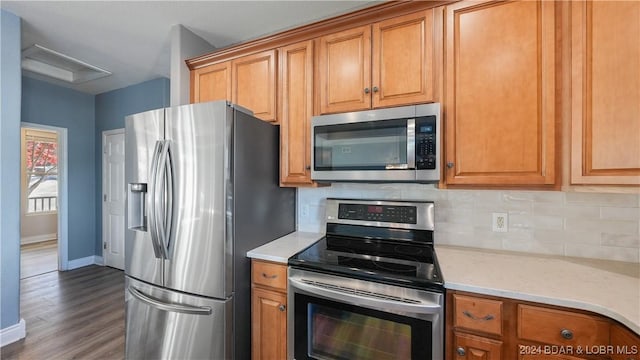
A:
(426, 143)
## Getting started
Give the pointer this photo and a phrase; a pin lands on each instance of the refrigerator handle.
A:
(168, 198)
(152, 206)
(172, 307)
(161, 200)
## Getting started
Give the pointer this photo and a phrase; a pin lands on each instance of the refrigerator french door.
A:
(202, 190)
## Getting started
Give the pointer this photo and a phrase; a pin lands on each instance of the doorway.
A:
(43, 230)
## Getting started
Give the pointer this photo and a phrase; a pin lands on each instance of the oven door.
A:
(333, 317)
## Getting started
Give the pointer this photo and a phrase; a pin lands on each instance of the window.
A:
(41, 171)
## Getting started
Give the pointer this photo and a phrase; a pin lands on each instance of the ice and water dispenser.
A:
(137, 219)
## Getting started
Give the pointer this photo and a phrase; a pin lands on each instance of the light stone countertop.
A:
(610, 288)
(281, 249)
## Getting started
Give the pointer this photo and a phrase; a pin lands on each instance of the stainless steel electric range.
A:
(371, 288)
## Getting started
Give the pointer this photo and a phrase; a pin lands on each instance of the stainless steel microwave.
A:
(399, 144)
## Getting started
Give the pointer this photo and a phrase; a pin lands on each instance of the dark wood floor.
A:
(76, 314)
(38, 258)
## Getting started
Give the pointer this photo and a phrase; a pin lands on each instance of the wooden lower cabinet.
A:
(548, 357)
(493, 328)
(626, 345)
(472, 347)
(268, 311)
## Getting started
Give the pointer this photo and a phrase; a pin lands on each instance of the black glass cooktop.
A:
(411, 264)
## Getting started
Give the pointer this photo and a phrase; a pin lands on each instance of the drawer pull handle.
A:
(473, 317)
(567, 334)
(264, 275)
(461, 351)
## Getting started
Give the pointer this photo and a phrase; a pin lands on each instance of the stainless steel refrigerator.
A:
(202, 190)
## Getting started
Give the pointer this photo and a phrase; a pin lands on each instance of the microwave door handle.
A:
(396, 167)
(411, 143)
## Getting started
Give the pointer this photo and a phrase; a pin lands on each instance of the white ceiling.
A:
(131, 39)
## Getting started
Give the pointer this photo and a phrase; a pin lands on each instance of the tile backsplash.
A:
(590, 225)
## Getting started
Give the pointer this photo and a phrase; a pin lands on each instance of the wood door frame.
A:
(63, 191)
(106, 133)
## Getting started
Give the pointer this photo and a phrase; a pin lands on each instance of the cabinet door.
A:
(403, 60)
(471, 347)
(548, 357)
(605, 119)
(254, 84)
(211, 82)
(500, 93)
(269, 325)
(626, 345)
(296, 109)
(344, 70)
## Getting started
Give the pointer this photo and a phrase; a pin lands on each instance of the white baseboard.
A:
(13, 333)
(38, 238)
(85, 261)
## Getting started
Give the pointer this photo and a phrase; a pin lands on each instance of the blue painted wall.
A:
(9, 169)
(48, 104)
(111, 109)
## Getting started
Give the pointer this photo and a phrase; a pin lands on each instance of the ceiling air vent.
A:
(43, 61)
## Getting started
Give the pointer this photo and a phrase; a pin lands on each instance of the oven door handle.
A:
(367, 301)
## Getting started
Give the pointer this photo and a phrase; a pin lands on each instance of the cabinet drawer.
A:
(477, 314)
(626, 345)
(561, 327)
(269, 274)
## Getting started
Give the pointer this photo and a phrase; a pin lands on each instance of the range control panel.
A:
(426, 142)
(384, 213)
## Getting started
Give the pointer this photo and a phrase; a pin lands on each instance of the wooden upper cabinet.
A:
(211, 82)
(389, 63)
(344, 70)
(402, 71)
(254, 83)
(605, 108)
(499, 105)
(295, 112)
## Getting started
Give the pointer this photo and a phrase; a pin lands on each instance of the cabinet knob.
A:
(282, 308)
(308, 167)
(567, 334)
(450, 165)
(366, 90)
(375, 89)
(460, 351)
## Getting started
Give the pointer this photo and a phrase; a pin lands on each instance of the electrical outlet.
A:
(500, 222)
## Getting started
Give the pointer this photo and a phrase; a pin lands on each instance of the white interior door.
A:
(113, 198)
